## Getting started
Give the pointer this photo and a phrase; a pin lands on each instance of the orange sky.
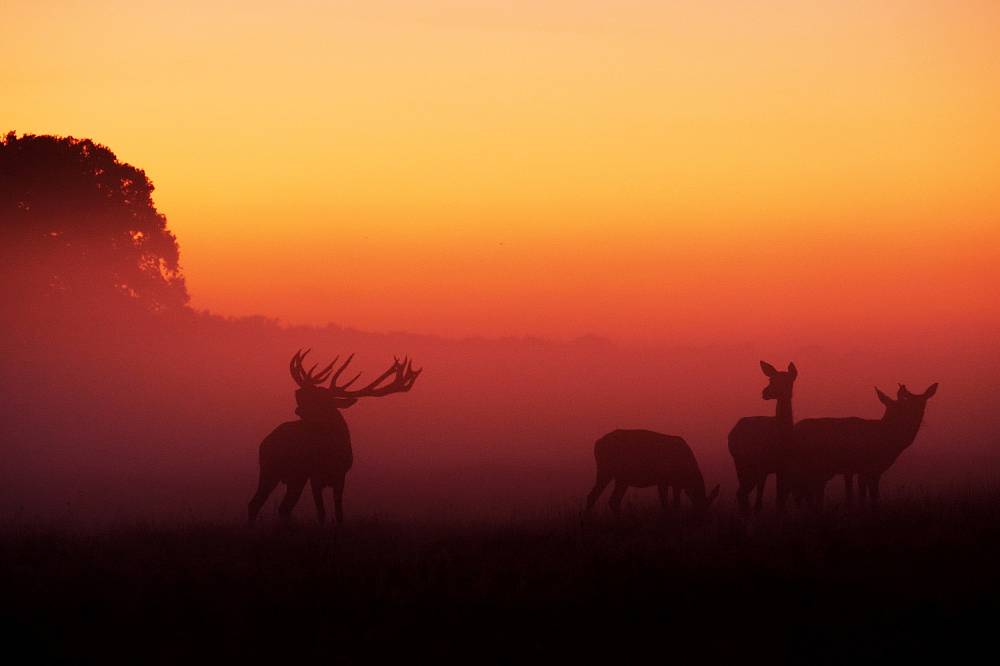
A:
(652, 170)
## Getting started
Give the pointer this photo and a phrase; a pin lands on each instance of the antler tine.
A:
(394, 369)
(321, 376)
(328, 368)
(412, 376)
(298, 364)
(308, 377)
(401, 377)
(295, 367)
(340, 370)
(353, 379)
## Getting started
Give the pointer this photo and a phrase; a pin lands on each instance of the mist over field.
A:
(118, 414)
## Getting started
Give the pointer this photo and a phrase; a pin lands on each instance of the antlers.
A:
(307, 378)
(400, 374)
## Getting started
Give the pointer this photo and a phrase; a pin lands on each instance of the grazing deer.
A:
(644, 458)
(827, 447)
(317, 447)
(757, 443)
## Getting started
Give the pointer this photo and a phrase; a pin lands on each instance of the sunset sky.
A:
(643, 170)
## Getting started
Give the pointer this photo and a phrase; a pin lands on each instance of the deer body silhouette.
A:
(317, 447)
(758, 443)
(644, 458)
(826, 447)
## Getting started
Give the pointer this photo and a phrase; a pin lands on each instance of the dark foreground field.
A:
(918, 580)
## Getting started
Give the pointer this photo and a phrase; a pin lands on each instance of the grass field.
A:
(919, 579)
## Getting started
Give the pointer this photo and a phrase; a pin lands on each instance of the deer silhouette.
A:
(757, 443)
(644, 458)
(826, 447)
(317, 447)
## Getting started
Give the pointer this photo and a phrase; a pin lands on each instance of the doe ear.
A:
(929, 393)
(768, 369)
(793, 372)
(884, 399)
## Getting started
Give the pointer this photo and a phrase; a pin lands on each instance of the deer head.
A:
(915, 403)
(904, 393)
(780, 384)
(891, 404)
(906, 413)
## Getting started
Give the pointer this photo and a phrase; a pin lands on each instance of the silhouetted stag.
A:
(317, 447)
(851, 446)
(757, 443)
(644, 458)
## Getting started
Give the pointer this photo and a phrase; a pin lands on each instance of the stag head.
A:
(399, 378)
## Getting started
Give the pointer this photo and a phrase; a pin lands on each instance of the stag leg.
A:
(338, 498)
(677, 497)
(759, 503)
(599, 485)
(265, 486)
(292, 493)
(862, 487)
(317, 489)
(616, 497)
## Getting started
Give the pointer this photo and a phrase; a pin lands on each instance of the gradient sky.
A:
(682, 171)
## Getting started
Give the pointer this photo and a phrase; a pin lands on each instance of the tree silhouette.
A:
(77, 223)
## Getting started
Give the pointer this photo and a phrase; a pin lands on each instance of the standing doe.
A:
(757, 443)
(827, 447)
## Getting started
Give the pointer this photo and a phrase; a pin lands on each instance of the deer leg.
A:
(317, 490)
(616, 497)
(338, 498)
(664, 491)
(747, 482)
(849, 490)
(265, 485)
(759, 503)
(873, 491)
(677, 497)
(814, 496)
(599, 485)
(781, 490)
(292, 493)
(862, 487)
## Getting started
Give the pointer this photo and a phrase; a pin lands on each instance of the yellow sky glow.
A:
(635, 169)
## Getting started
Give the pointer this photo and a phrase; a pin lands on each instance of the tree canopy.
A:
(78, 223)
